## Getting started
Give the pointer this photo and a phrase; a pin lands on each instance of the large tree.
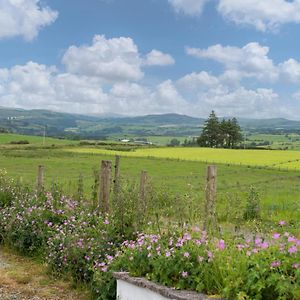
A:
(224, 134)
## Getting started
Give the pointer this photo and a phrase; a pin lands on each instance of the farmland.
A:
(177, 171)
(71, 240)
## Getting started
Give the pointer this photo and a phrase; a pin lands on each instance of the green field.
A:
(259, 158)
(179, 172)
(8, 139)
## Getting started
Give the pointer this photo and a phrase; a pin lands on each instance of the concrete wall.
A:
(128, 291)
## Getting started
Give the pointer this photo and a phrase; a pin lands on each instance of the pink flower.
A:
(168, 254)
(221, 244)
(291, 239)
(186, 254)
(296, 266)
(149, 254)
(281, 223)
(275, 264)
(106, 222)
(264, 245)
(293, 249)
(276, 236)
(184, 274)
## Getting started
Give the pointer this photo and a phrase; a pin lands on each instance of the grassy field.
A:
(279, 189)
(259, 158)
(7, 139)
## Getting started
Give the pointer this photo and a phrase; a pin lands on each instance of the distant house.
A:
(125, 141)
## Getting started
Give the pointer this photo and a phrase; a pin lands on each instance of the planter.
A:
(134, 288)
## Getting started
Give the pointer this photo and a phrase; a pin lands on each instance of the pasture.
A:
(177, 172)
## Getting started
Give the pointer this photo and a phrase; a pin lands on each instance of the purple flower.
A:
(293, 249)
(276, 236)
(281, 223)
(184, 274)
(168, 254)
(186, 254)
(221, 244)
(275, 264)
(296, 266)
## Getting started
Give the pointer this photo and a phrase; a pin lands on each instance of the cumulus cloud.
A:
(115, 59)
(188, 7)
(252, 60)
(158, 58)
(249, 61)
(263, 15)
(24, 18)
(290, 70)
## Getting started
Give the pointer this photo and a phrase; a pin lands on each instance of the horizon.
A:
(133, 58)
(108, 116)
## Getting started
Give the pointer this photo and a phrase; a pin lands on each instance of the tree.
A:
(174, 142)
(210, 136)
(224, 134)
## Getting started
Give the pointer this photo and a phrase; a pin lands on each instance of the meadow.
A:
(176, 171)
(257, 218)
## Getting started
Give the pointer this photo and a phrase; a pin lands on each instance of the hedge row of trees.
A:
(224, 134)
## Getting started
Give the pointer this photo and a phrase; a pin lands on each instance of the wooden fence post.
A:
(142, 195)
(104, 186)
(210, 201)
(117, 176)
(40, 179)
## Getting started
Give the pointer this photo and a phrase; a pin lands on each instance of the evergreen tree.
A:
(224, 134)
(210, 136)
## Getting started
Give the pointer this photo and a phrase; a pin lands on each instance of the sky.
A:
(135, 57)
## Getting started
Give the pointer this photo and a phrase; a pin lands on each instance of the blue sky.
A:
(132, 57)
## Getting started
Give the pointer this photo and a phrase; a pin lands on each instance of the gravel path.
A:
(5, 294)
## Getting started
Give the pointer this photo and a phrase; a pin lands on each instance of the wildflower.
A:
(184, 274)
(186, 254)
(281, 223)
(106, 222)
(293, 249)
(275, 264)
(276, 236)
(149, 254)
(221, 245)
(296, 266)
(168, 254)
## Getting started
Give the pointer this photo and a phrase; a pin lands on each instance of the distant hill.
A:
(81, 126)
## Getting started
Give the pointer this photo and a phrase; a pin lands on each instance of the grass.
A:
(262, 158)
(36, 140)
(31, 279)
(279, 189)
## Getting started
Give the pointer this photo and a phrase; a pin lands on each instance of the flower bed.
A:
(78, 242)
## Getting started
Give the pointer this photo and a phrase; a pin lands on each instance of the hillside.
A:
(34, 122)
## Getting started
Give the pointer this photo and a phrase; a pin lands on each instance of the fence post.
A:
(142, 195)
(104, 187)
(117, 176)
(210, 201)
(40, 179)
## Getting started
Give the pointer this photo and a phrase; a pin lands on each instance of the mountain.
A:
(81, 126)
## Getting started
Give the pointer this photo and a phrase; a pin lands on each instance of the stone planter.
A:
(134, 288)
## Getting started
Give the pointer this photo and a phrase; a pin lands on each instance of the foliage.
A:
(215, 134)
(252, 210)
(265, 267)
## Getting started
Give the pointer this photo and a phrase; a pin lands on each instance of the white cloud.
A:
(262, 14)
(24, 18)
(249, 61)
(158, 58)
(198, 81)
(188, 7)
(113, 60)
(290, 70)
